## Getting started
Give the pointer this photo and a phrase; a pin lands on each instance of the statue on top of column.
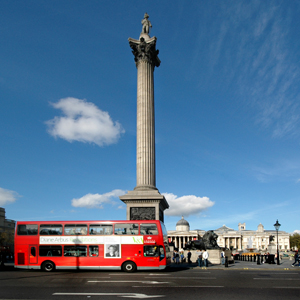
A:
(146, 24)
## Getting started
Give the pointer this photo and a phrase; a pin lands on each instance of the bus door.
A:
(33, 254)
(151, 253)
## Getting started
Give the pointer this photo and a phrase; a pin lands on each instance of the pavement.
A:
(285, 264)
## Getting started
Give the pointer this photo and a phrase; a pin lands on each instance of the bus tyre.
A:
(129, 267)
(48, 266)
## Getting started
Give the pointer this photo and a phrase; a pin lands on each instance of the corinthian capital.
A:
(145, 50)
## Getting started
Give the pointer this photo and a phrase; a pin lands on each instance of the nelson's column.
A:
(145, 202)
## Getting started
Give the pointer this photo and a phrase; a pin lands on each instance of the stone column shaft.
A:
(145, 148)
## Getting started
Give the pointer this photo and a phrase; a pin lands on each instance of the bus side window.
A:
(75, 251)
(100, 229)
(32, 251)
(93, 251)
(150, 229)
(27, 229)
(127, 229)
(75, 229)
(50, 250)
(51, 229)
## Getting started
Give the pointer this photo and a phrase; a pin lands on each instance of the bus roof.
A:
(88, 222)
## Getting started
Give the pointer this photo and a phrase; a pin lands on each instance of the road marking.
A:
(126, 281)
(128, 274)
(269, 273)
(188, 277)
(183, 286)
(124, 295)
(276, 278)
(286, 287)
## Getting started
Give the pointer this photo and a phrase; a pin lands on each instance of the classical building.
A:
(6, 225)
(259, 239)
(183, 234)
(240, 239)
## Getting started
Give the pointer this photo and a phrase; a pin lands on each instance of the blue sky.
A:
(226, 107)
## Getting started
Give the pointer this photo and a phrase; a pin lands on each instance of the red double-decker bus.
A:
(99, 245)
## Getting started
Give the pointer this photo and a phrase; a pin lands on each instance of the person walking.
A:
(182, 257)
(200, 261)
(205, 257)
(1, 260)
(174, 256)
(189, 257)
(177, 257)
(296, 256)
(223, 257)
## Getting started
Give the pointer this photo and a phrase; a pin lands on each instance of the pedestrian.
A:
(182, 257)
(174, 256)
(205, 257)
(177, 257)
(223, 257)
(1, 260)
(200, 261)
(296, 257)
(189, 257)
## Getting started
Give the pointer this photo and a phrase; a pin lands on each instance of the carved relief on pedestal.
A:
(142, 213)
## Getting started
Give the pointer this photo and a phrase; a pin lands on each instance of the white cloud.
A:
(83, 122)
(296, 231)
(7, 196)
(97, 200)
(186, 205)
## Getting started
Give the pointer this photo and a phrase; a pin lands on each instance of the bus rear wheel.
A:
(48, 266)
(129, 267)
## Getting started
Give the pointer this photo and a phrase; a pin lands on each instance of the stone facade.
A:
(6, 225)
(183, 234)
(240, 239)
(259, 239)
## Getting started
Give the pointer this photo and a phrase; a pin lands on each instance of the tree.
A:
(6, 239)
(295, 240)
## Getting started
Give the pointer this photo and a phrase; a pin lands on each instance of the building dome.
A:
(182, 225)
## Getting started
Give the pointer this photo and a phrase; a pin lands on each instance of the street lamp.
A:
(277, 226)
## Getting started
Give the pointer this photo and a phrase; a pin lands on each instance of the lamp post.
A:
(277, 226)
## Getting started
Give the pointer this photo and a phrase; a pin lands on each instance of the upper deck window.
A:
(127, 229)
(76, 229)
(149, 229)
(51, 229)
(102, 229)
(27, 229)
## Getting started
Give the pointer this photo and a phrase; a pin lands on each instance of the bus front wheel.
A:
(48, 266)
(129, 267)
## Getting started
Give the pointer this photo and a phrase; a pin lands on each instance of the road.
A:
(175, 283)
